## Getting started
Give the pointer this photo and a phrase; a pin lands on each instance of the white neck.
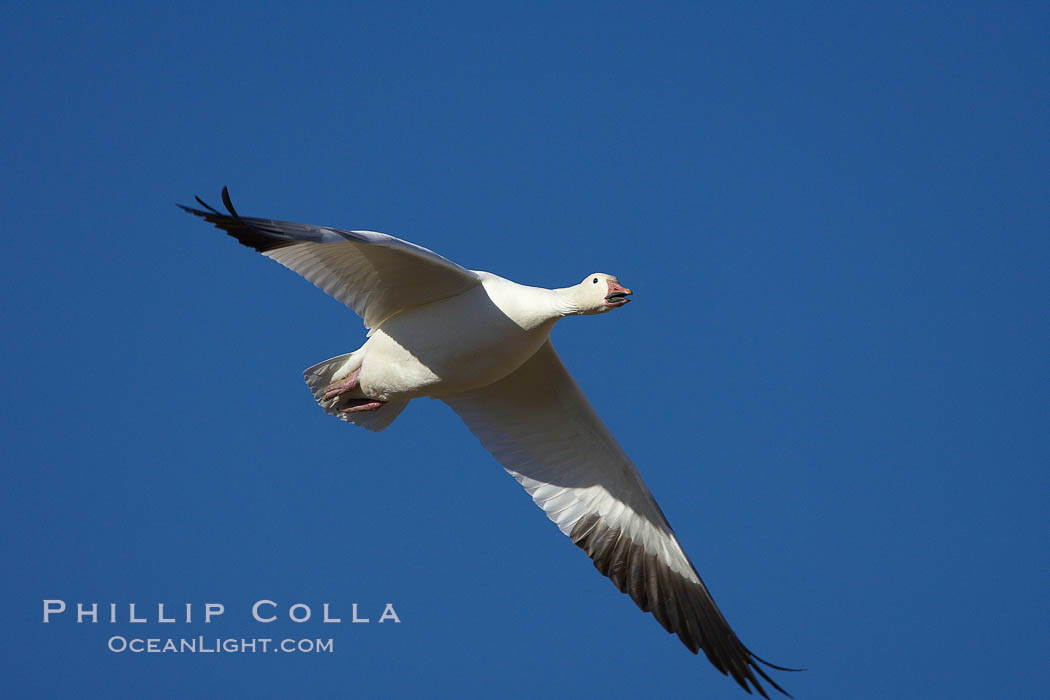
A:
(565, 302)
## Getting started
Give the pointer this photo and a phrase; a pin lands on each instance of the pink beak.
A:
(617, 295)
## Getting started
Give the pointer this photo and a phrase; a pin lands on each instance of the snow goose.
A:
(481, 344)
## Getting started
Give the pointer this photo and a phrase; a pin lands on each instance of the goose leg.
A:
(341, 387)
(355, 405)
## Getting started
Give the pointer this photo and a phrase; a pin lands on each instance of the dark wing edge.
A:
(681, 606)
(263, 235)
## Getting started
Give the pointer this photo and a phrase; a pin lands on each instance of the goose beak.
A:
(617, 296)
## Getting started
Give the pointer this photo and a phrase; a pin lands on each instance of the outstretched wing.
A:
(538, 424)
(374, 274)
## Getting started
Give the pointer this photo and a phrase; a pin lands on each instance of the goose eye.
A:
(595, 280)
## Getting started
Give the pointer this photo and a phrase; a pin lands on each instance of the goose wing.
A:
(539, 425)
(376, 275)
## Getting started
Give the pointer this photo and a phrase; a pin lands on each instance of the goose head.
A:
(599, 293)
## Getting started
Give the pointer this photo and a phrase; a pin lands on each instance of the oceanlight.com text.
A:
(218, 645)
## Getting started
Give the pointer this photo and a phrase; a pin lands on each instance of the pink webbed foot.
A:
(341, 387)
(355, 405)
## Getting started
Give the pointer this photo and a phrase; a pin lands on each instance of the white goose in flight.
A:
(481, 344)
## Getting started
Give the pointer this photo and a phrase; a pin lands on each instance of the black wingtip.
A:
(779, 668)
(769, 680)
(262, 235)
(207, 206)
(229, 204)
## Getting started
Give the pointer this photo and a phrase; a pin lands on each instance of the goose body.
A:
(457, 344)
(481, 344)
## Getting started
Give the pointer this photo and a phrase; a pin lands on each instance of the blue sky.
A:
(833, 375)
